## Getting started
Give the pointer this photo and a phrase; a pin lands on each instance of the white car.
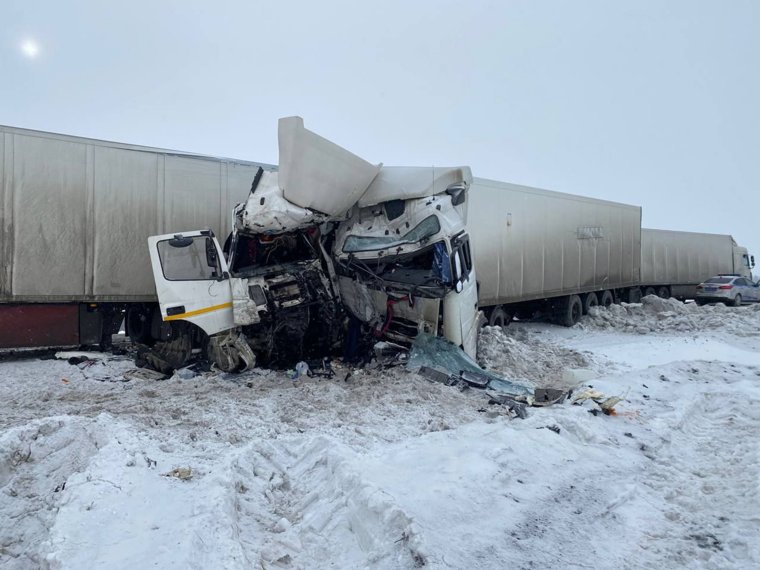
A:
(729, 289)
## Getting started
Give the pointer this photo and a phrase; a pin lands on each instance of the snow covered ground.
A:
(384, 469)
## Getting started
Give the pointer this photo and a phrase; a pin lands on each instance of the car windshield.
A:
(719, 280)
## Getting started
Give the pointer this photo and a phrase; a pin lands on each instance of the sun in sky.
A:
(30, 48)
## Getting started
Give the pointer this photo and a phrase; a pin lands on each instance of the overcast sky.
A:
(652, 103)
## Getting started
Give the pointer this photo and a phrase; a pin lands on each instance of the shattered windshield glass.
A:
(425, 229)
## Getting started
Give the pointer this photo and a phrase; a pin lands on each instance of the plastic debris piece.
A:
(182, 473)
(144, 374)
(520, 409)
(549, 396)
(302, 369)
(588, 394)
(438, 353)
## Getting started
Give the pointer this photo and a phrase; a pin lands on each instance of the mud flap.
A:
(230, 351)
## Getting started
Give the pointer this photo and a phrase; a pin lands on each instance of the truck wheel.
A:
(589, 301)
(499, 317)
(649, 291)
(138, 321)
(569, 311)
(663, 293)
(737, 301)
(607, 299)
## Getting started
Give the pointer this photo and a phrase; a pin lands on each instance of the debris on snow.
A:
(438, 353)
(181, 473)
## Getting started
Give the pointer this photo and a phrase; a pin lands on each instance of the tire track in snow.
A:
(301, 506)
(705, 475)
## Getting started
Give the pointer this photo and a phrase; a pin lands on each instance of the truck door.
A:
(192, 280)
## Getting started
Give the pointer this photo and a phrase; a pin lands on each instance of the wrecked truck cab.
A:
(404, 265)
(270, 295)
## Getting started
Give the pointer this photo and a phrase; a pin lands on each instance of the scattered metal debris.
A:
(520, 409)
(549, 396)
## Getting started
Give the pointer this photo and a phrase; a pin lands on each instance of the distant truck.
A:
(674, 263)
(74, 217)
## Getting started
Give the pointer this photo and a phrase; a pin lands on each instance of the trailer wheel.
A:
(634, 295)
(649, 291)
(499, 317)
(590, 300)
(663, 293)
(607, 299)
(568, 311)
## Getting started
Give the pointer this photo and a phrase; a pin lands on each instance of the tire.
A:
(738, 300)
(663, 292)
(649, 291)
(138, 321)
(499, 317)
(590, 300)
(606, 299)
(634, 295)
(699, 302)
(568, 311)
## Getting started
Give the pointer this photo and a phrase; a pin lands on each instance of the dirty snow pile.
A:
(654, 314)
(519, 355)
(102, 469)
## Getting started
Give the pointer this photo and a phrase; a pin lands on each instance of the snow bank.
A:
(516, 354)
(654, 314)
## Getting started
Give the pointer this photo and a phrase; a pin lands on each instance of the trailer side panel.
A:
(534, 244)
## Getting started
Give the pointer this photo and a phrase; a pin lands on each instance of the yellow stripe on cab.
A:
(198, 312)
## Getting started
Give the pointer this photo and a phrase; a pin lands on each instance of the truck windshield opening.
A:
(424, 230)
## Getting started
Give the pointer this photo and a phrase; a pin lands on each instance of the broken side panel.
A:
(267, 211)
(318, 174)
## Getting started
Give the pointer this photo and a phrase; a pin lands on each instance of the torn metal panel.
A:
(318, 174)
(358, 301)
(244, 308)
(230, 351)
(408, 182)
(267, 211)
(439, 354)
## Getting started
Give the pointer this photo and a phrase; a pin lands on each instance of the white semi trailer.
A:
(550, 252)
(74, 216)
(674, 263)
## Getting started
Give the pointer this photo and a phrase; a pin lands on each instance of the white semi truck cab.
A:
(404, 265)
(327, 231)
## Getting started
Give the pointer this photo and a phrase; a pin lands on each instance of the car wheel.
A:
(699, 302)
(737, 300)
